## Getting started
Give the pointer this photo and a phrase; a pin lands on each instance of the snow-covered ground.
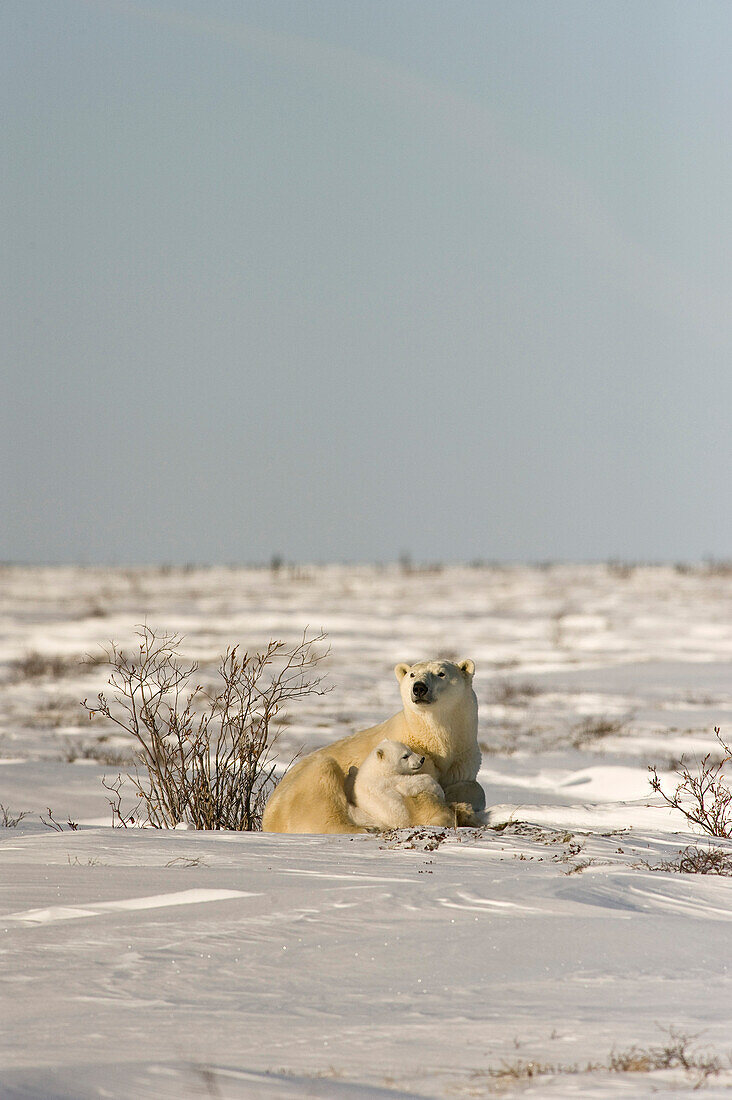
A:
(503, 961)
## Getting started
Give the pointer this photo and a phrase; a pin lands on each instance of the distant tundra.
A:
(438, 721)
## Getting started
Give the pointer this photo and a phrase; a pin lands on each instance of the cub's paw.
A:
(426, 809)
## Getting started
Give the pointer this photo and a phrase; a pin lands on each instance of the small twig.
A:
(8, 820)
(52, 823)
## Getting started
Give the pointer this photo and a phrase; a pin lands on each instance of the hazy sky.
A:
(341, 280)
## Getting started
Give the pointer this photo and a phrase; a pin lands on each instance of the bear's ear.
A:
(401, 671)
(380, 754)
(467, 666)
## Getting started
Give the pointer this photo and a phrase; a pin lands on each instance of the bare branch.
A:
(204, 759)
(704, 797)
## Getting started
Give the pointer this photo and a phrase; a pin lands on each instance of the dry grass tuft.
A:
(98, 751)
(422, 839)
(693, 860)
(39, 666)
(675, 1053)
(721, 567)
(53, 666)
(594, 729)
(511, 693)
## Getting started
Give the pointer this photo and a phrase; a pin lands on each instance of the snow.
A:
(157, 901)
(141, 963)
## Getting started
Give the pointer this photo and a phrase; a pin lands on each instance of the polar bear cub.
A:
(388, 776)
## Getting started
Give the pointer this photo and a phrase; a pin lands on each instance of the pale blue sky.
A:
(341, 280)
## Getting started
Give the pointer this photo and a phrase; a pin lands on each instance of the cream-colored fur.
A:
(390, 784)
(438, 720)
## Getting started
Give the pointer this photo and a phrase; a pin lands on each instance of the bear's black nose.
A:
(419, 689)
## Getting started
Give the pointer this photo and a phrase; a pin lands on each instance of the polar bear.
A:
(438, 720)
(388, 782)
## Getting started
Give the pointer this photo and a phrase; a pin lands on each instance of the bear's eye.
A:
(406, 756)
(440, 673)
(412, 675)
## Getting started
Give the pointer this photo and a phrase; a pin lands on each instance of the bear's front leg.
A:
(467, 790)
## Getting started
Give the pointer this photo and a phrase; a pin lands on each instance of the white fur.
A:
(314, 796)
(387, 776)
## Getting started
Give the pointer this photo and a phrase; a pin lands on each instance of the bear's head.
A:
(441, 685)
(394, 758)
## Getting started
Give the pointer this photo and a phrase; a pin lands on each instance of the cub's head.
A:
(435, 684)
(394, 758)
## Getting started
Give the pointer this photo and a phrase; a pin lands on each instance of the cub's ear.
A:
(467, 666)
(380, 754)
(401, 671)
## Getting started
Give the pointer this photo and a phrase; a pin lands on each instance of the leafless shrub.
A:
(96, 610)
(52, 666)
(52, 712)
(206, 758)
(405, 563)
(92, 660)
(37, 666)
(694, 860)
(557, 628)
(115, 797)
(701, 699)
(410, 568)
(621, 569)
(506, 747)
(674, 1053)
(525, 1069)
(9, 820)
(594, 729)
(512, 692)
(719, 567)
(51, 823)
(578, 868)
(96, 750)
(677, 1052)
(704, 797)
